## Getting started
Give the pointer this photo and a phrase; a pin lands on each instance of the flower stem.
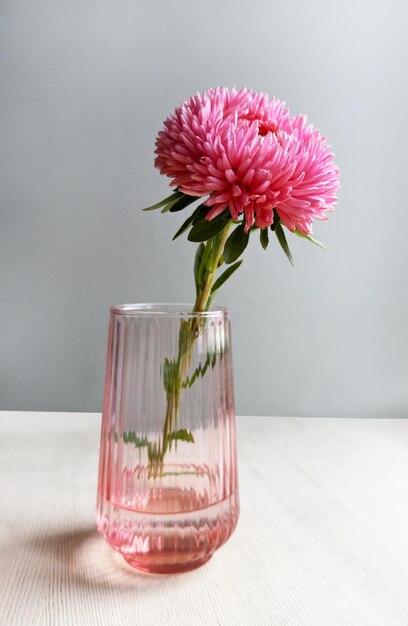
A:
(204, 293)
(213, 254)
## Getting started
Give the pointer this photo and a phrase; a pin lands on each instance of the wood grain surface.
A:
(322, 538)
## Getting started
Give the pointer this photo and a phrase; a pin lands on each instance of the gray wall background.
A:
(86, 85)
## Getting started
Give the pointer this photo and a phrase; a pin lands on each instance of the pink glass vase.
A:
(168, 493)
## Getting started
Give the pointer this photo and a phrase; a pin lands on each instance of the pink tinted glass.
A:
(167, 516)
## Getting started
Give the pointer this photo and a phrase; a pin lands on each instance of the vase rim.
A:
(165, 309)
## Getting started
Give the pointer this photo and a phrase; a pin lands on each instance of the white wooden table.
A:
(322, 538)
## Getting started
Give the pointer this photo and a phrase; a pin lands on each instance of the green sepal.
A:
(202, 209)
(225, 276)
(183, 202)
(276, 220)
(169, 205)
(264, 238)
(204, 230)
(174, 196)
(283, 243)
(235, 244)
(309, 238)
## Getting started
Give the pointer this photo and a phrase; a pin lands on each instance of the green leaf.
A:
(276, 220)
(201, 368)
(235, 244)
(174, 196)
(282, 240)
(202, 273)
(169, 205)
(190, 220)
(199, 371)
(184, 226)
(183, 202)
(264, 238)
(200, 213)
(309, 238)
(197, 264)
(181, 435)
(140, 442)
(210, 300)
(131, 437)
(225, 275)
(207, 229)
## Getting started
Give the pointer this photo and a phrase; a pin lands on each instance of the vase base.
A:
(173, 533)
(167, 568)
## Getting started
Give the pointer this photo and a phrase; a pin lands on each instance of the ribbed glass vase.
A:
(168, 493)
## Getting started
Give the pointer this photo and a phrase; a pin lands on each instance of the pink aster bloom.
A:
(248, 154)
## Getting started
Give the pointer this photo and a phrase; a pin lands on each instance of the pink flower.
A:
(248, 154)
